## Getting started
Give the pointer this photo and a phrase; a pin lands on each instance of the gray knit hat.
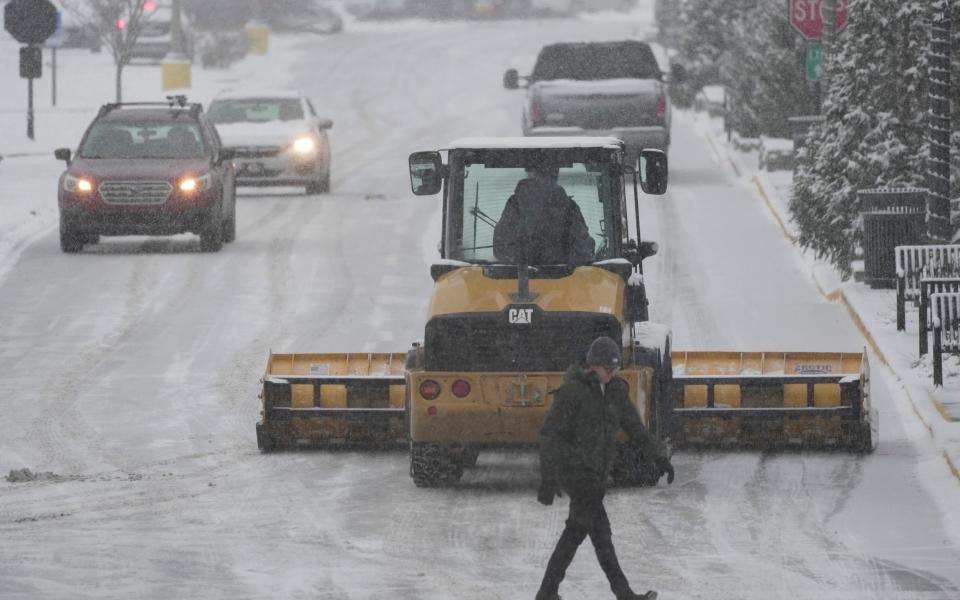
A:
(604, 352)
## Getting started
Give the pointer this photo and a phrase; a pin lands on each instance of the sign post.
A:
(30, 22)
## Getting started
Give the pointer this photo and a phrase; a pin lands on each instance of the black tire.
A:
(211, 236)
(469, 457)
(91, 238)
(230, 228)
(320, 186)
(71, 240)
(431, 465)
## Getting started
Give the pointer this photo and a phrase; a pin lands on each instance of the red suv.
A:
(148, 169)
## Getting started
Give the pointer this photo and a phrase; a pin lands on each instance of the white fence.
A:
(945, 309)
(916, 262)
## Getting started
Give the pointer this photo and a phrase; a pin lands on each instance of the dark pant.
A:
(587, 517)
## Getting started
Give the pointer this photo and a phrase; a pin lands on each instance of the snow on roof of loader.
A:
(499, 143)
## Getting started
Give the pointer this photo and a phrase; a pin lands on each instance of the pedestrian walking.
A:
(577, 448)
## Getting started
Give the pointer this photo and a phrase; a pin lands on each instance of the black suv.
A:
(148, 168)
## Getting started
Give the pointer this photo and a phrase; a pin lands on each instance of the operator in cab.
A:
(541, 224)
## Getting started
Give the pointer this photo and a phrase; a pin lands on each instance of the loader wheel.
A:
(469, 457)
(631, 468)
(432, 465)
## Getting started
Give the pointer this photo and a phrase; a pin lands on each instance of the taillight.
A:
(460, 388)
(661, 105)
(535, 108)
(429, 389)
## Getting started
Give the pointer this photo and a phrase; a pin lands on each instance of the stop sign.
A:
(806, 16)
(30, 21)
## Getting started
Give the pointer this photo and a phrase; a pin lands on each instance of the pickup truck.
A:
(612, 88)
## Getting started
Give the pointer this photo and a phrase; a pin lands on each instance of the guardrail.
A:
(946, 329)
(915, 262)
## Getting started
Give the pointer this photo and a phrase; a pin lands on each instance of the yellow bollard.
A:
(175, 74)
(257, 36)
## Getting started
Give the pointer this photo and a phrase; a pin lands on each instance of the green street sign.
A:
(814, 60)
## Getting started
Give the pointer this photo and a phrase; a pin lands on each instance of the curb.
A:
(839, 295)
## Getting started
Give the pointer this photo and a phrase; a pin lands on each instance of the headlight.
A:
(193, 185)
(77, 185)
(304, 145)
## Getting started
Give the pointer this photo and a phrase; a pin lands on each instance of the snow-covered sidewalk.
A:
(873, 310)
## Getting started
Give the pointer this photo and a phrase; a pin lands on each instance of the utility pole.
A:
(829, 8)
(938, 168)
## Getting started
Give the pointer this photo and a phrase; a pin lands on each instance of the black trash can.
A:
(891, 217)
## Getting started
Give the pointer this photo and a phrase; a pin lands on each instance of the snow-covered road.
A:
(129, 377)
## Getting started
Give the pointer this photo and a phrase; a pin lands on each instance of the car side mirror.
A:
(426, 173)
(511, 79)
(653, 171)
(227, 154)
(63, 154)
(325, 123)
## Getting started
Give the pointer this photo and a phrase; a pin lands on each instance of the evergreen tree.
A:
(874, 133)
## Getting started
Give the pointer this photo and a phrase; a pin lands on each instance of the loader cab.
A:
(480, 176)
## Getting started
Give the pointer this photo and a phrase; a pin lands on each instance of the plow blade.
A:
(769, 400)
(332, 400)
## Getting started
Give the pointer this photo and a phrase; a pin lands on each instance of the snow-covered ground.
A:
(937, 408)
(129, 372)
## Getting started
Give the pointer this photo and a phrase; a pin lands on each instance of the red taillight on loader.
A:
(460, 388)
(429, 389)
(661, 105)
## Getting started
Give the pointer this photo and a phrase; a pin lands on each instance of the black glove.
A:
(665, 468)
(548, 490)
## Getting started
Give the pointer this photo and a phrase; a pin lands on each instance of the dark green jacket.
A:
(578, 440)
(542, 224)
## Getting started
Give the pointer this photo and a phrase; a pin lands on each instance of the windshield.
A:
(590, 62)
(573, 212)
(255, 110)
(142, 140)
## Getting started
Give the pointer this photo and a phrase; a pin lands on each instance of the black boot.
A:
(651, 595)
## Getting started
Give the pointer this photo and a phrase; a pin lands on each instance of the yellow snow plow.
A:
(499, 334)
(772, 400)
(332, 400)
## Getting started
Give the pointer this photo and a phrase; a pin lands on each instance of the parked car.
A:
(711, 100)
(776, 154)
(155, 39)
(151, 168)
(76, 33)
(276, 136)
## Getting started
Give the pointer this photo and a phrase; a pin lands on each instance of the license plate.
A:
(255, 168)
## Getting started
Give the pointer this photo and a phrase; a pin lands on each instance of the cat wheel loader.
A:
(500, 333)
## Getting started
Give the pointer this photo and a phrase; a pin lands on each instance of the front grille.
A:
(489, 342)
(257, 151)
(135, 192)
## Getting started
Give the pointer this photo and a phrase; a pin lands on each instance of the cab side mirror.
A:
(653, 171)
(426, 173)
(323, 123)
(63, 154)
(511, 79)
(226, 154)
